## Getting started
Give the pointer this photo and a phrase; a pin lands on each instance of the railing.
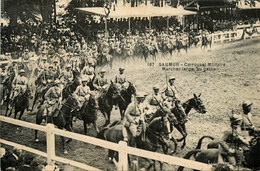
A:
(121, 147)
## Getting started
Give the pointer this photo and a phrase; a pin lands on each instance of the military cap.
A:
(68, 66)
(156, 87)
(50, 66)
(22, 71)
(171, 78)
(121, 69)
(140, 95)
(102, 71)
(84, 79)
(246, 104)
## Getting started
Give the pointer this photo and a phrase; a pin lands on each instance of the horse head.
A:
(131, 88)
(160, 126)
(92, 102)
(197, 104)
(113, 91)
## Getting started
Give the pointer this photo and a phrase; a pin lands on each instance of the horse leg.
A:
(63, 145)
(85, 127)
(95, 126)
(38, 121)
(180, 129)
(21, 114)
(34, 100)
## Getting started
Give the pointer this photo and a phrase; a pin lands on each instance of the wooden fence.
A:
(121, 147)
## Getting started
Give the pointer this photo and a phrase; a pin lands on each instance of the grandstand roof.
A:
(141, 11)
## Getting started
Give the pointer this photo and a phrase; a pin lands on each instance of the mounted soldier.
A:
(154, 101)
(171, 98)
(82, 93)
(19, 86)
(133, 119)
(121, 80)
(233, 144)
(247, 121)
(88, 70)
(67, 75)
(100, 83)
(53, 99)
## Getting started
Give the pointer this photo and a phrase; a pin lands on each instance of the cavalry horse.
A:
(71, 87)
(181, 44)
(205, 41)
(251, 157)
(88, 113)
(193, 103)
(107, 99)
(126, 98)
(20, 103)
(156, 133)
(61, 117)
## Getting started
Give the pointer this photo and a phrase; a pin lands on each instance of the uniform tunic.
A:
(82, 94)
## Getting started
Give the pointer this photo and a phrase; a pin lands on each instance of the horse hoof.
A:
(37, 140)
(65, 152)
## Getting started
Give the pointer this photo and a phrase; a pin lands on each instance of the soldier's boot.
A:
(124, 133)
(44, 115)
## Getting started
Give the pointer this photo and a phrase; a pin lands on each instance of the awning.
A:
(138, 12)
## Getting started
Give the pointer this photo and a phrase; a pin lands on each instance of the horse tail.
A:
(188, 155)
(201, 139)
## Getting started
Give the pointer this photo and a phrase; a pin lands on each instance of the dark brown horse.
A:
(88, 113)
(71, 87)
(156, 132)
(20, 103)
(62, 118)
(193, 103)
(210, 155)
(126, 98)
(107, 100)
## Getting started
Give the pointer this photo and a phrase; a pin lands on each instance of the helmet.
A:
(236, 119)
(140, 95)
(22, 71)
(102, 71)
(156, 87)
(246, 104)
(85, 79)
(171, 78)
(57, 82)
(68, 66)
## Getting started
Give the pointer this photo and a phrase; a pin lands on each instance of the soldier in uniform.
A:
(19, 86)
(171, 99)
(133, 119)
(100, 83)
(233, 144)
(247, 123)
(154, 100)
(88, 70)
(53, 99)
(67, 75)
(82, 92)
(50, 74)
(121, 79)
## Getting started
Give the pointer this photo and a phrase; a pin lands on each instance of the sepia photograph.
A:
(130, 85)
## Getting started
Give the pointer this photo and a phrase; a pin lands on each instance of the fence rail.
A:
(121, 147)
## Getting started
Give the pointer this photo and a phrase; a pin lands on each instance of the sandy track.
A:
(222, 90)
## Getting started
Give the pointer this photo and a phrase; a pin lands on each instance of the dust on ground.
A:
(221, 90)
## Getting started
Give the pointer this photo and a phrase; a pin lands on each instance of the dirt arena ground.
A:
(235, 77)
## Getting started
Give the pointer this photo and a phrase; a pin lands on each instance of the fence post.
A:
(213, 39)
(122, 158)
(50, 145)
